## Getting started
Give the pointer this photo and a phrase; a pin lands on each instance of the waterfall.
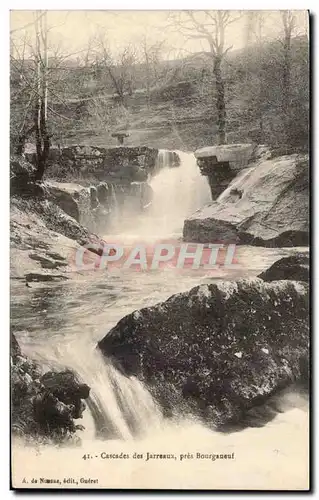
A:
(177, 193)
(121, 406)
(115, 207)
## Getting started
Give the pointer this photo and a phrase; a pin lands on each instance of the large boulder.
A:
(103, 194)
(218, 349)
(266, 204)
(57, 220)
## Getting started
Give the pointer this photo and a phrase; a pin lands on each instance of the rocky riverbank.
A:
(51, 220)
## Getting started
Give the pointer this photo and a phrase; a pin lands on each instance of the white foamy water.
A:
(177, 193)
(60, 325)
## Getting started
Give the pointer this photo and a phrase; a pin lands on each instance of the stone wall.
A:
(117, 164)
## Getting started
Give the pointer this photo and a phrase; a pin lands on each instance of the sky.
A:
(73, 29)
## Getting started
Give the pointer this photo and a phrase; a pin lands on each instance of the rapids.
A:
(59, 325)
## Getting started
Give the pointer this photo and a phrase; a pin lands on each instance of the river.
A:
(59, 325)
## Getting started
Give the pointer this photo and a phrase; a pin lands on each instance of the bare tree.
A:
(41, 102)
(211, 27)
(289, 24)
(22, 87)
(256, 23)
(44, 79)
(151, 57)
(118, 68)
(32, 97)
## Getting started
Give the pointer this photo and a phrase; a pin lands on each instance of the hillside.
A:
(178, 110)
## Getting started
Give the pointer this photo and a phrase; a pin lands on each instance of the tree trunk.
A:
(40, 111)
(118, 88)
(286, 78)
(220, 101)
(42, 140)
(288, 25)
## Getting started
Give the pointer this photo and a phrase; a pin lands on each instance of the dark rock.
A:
(52, 415)
(14, 347)
(66, 387)
(46, 261)
(44, 277)
(167, 158)
(272, 209)
(94, 202)
(57, 220)
(103, 193)
(294, 267)
(22, 179)
(218, 349)
(44, 404)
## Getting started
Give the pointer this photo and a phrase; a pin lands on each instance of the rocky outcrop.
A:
(44, 405)
(220, 164)
(266, 204)
(218, 349)
(69, 196)
(66, 216)
(57, 220)
(166, 158)
(45, 240)
(294, 267)
(34, 248)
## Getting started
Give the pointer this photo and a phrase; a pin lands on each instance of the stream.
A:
(60, 324)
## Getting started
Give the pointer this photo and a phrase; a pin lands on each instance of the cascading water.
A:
(177, 193)
(64, 322)
(114, 207)
(120, 406)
